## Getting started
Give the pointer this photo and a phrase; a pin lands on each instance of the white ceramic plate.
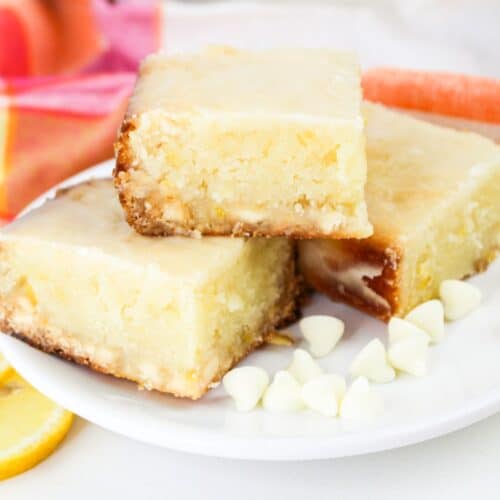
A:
(463, 386)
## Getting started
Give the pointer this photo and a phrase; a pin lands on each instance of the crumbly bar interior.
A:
(209, 173)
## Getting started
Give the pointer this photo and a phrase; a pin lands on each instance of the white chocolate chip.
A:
(322, 333)
(303, 367)
(429, 317)
(459, 298)
(410, 355)
(408, 346)
(246, 385)
(329, 222)
(283, 395)
(361, 402)
(250, 216)
(234, 303)
(324, 394)
(371, 362)
(400, 329)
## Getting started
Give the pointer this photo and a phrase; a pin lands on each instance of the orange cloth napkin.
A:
(66, 71)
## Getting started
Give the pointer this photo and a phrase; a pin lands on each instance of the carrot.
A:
(463, 96)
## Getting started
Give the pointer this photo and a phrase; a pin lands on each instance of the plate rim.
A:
(187, 438)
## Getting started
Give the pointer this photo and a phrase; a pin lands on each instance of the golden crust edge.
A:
(388, 284)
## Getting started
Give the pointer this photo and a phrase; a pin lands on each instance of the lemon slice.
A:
(31, 426)
(5, 368)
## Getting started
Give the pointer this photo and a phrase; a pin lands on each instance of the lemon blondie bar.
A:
(234, 142)
(172, 314)
(433, 195)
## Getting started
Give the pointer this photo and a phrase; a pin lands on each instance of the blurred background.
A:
(67, 66)
(453, 35)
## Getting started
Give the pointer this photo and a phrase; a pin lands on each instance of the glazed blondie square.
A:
(433, 196)
(172, 314)
(245, 143)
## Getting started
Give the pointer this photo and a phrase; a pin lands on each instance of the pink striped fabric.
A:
(65, 75)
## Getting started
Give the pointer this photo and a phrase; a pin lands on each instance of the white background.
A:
(93, 463)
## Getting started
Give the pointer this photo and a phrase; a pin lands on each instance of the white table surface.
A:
(94, 464)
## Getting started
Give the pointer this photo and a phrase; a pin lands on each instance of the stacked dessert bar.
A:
(226, 159)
